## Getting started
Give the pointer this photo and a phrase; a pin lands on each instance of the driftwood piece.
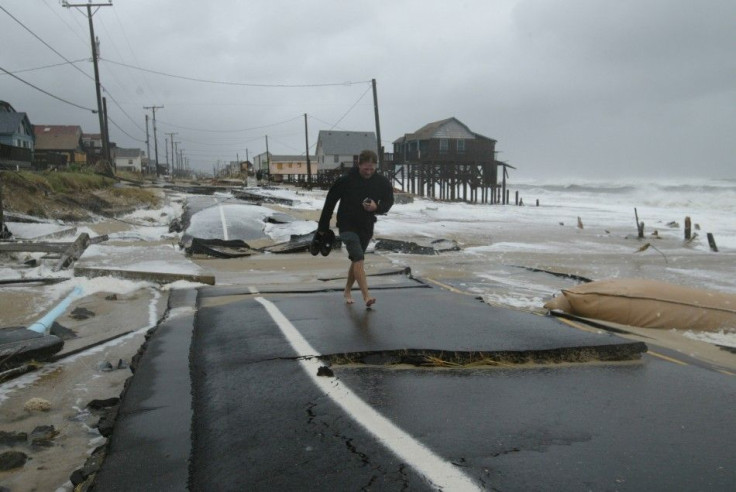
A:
(73, 252)
(99, 239)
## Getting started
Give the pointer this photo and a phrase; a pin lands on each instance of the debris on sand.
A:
(37, 405)
(436, 246)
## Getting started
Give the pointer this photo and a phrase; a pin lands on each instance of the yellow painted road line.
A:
(727, 373)
(670, 359)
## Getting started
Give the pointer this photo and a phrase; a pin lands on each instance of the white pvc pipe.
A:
(43, 325)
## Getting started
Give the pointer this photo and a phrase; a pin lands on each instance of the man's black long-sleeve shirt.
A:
(351, 189)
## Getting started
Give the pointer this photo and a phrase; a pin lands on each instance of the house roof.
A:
(447, 128)
(10, 122)
(5, 107)
(120, 152)
(286, 158)
(346, 143)
(57, 137)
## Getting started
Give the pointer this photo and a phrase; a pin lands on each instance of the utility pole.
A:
(378, 127)
(268, 161)
(171, 139)
(148, 144)
(309, 165)
(176, 156)
(105, 143)
(106, 136)
(155, 138)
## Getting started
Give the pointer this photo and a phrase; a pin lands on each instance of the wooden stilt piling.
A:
(639, 225)
(712, 243)
(687, 228)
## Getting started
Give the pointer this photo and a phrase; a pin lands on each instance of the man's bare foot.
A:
(370, 301)
(349, 299)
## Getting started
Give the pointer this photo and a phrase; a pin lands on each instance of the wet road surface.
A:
(263, 419)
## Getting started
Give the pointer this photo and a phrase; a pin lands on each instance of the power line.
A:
(48, 93)
(222, 82)
(325, 122)
(71, 63)
(130, 47)
(230, 131)
(71, 29)
(45, 43)
(129, 135)
(351, 107)
(123, 111)
(50, 66)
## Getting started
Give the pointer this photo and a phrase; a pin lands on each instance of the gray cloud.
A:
(568, 88)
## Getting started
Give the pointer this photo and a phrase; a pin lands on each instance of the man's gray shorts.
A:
(355, 244)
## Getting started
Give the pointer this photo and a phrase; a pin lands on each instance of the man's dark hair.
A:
(367, 156)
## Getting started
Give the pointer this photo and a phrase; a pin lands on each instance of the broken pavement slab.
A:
(433, 320)
(19, 345)
(156, 277)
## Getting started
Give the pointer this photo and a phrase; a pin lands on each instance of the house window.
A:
(444, 146)
(337, 158)
(130, 161)
(461, 146)
(280, 165)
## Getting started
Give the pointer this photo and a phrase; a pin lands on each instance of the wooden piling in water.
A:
(639, 225)
(687, 228)
(712, 242)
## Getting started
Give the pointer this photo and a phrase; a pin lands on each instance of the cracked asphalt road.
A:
(261, 418)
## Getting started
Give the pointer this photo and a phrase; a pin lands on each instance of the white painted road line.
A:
(222, 219)
(440, 473)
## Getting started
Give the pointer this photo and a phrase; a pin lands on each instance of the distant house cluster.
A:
(446, 144)
(25, 145)
(444, 155)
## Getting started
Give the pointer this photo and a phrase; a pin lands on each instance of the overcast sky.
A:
(568, 88)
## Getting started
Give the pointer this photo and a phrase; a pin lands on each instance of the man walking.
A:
(362, 194)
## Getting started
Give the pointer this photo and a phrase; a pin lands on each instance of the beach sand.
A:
(499, 276)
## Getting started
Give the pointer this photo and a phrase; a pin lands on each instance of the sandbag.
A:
(649, 304)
